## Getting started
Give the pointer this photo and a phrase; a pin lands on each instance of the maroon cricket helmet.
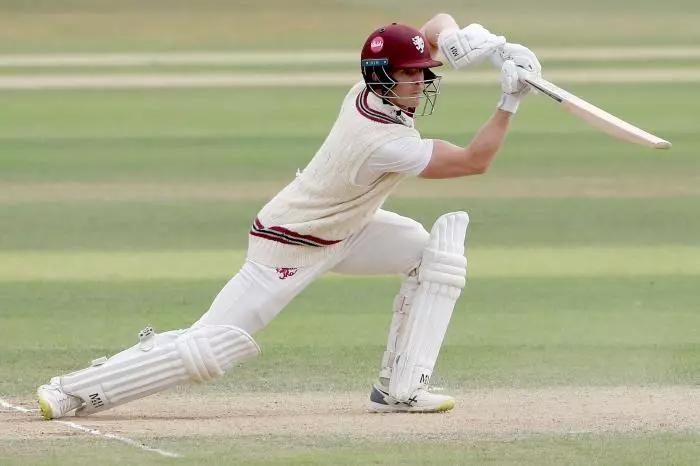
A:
(398, 46)
(393, 47)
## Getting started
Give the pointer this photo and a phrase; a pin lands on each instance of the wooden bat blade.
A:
(597, 117)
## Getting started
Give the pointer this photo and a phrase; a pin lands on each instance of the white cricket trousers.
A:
(389, 244)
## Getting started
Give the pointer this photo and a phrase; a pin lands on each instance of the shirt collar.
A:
(375, 108)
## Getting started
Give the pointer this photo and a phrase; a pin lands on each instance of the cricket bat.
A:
(598, 117)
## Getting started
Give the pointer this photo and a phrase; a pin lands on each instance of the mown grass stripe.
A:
(313, 57)
(322, 79)
(591, 261)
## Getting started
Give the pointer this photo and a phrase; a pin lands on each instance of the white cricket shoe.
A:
(422, 401)
(53, 403)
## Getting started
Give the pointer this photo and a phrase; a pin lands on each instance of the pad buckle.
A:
(147, 338)
(98, 361)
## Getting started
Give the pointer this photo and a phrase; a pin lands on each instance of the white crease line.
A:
(119, 438)
(310, 57)
(96, 432)
(5, 404)
(327, 79)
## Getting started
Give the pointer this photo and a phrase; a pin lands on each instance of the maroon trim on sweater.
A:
(316, 239)
(284, 235)
(269, 234)
(273, 238)
(366, 111)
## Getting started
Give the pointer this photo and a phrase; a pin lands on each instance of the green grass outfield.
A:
(121, 209)
(103, 25)
(125, 208)
(580, 450)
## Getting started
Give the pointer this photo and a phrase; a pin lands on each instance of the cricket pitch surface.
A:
(479, 414)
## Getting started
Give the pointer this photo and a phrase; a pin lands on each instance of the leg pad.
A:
(441, 277)
(158, 362)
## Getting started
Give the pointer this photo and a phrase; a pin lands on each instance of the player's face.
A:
(409, 87)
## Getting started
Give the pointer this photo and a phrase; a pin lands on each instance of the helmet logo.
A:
(377, 44)
(418, 42)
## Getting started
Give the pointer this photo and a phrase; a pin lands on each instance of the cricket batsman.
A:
(329, 218)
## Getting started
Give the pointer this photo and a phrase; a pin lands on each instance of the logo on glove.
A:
(419, 43)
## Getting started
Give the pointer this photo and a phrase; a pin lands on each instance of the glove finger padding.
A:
(510, 79)
(513, 86)
(516, 63)
(521, 55)
(468, 46)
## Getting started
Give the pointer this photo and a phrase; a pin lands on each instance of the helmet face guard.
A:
(379, 80)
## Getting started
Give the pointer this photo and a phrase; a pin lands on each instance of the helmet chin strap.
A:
(408, 110)
(400, 108)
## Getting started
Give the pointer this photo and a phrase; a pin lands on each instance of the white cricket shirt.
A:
(406, 155)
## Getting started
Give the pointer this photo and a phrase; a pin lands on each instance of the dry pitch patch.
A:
(480, 414)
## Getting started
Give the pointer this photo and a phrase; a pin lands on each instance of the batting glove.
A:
(468, 46)
(513, 86)
(522, 56)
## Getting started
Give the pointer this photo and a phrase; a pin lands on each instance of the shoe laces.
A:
(66, 402)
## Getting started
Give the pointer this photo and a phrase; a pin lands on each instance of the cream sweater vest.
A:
(307, 221)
